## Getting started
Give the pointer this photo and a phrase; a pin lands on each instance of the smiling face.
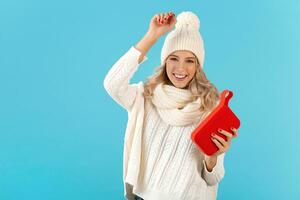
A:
(181, 68)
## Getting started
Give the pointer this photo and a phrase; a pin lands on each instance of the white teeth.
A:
(179, 76)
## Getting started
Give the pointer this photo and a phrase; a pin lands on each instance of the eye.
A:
(190, 61)
(173, 58)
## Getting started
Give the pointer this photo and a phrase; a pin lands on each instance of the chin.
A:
(182, 86)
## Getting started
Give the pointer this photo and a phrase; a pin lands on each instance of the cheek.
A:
(169, 71)
(192, 71)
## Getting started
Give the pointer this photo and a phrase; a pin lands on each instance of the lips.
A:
(179, 77)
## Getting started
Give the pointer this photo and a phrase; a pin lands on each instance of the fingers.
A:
(172, 19)
(162, 18)
(220, 139)
(227, 134)
(158, 18)
(219, 145)
(168, 16)
(235, 132)
(222, 144)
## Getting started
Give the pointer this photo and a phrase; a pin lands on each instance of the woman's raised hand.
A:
(159, 25)
(162, 23)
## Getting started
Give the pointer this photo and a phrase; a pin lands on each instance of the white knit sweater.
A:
(172, 167)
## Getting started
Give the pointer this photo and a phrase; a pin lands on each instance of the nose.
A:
(181, 65)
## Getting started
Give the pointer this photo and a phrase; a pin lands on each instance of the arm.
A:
(213, 169)
(116, 82)
(145, 44)
(159, 25)
(210, 162)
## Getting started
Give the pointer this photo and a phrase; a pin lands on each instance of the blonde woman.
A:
(160, 161)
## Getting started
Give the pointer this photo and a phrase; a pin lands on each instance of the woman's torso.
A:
(171, 163)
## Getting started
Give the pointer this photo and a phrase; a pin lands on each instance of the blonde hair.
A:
(199, 86)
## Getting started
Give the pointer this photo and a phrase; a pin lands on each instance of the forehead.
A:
(183, 54)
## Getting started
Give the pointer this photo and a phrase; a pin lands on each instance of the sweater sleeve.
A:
(116, 82)
(217, 173)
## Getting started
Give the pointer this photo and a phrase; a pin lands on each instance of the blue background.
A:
(61, 135)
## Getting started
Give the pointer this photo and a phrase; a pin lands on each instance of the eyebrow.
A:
(178, 56)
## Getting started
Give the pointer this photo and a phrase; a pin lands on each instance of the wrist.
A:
(152, 35)
(210, 162)
(211, 159)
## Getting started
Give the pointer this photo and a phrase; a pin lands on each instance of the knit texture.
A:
(175, 105)
(168, 165)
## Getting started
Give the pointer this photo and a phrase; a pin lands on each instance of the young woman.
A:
(160, 160)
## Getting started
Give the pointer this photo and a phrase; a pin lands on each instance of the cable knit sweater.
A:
(171, 165)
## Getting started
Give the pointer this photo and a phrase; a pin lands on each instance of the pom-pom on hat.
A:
(185, 36)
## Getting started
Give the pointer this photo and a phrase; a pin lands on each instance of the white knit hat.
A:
(185, 36)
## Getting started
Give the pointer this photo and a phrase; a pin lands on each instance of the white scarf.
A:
(174, 107)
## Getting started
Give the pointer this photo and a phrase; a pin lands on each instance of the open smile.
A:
(180, 77)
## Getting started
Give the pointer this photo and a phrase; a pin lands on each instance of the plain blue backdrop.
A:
(61, 135)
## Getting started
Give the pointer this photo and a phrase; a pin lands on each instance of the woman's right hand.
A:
(162, 23)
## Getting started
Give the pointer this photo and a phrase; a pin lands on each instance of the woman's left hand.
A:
(221, 143)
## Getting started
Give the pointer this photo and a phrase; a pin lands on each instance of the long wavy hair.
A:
(199, 86)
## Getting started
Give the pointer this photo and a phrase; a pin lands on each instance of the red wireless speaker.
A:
(221, 117)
